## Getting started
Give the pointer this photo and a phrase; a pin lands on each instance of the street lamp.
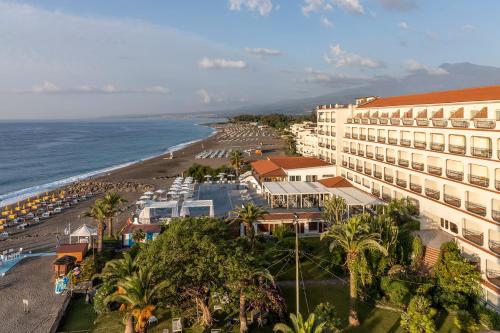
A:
(297, 294)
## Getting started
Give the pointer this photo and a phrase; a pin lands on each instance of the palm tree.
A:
(138, 294)
(113, 200)
(236, 158)
(334, 209)
(354, 237)
(118, 269)
(311, 325)
(99, 212)
(247, 215)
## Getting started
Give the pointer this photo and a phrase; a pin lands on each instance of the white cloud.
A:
(326, 22)
(398, 5)
(353, 6)
(45, 87)
(317, 6)
(261, 52)
(414, 66)
(207, 63)
(158, 90)
(310, 6)
(341, 58)
(337, 81)
(469, 27)
(264, 7)
(403, 25)
(208, 98)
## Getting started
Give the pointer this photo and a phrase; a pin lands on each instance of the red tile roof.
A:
(297, 162)
(68, 248)
(450, 96)
(130, 228)
(289, 216)
(265, 167)
(335, 182)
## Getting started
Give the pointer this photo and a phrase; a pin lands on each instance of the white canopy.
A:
(86, 232)
(195, 204)
(148, 193)
(160, 191)
(145, 214)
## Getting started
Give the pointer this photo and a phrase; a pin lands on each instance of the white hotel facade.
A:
(441, 150)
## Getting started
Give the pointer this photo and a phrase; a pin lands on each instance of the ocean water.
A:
(39, 156)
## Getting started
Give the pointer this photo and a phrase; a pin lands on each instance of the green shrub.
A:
(419, 317)
(466, 322)
(100, 304)
(282, 231)
(326, 313)
(488, 318)
(397, 292)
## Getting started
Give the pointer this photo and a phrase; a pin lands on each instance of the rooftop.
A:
(477, 94)
(274, 166)
(67, 248)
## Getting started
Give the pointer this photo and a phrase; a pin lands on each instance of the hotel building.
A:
(441, 150)
(306, 138)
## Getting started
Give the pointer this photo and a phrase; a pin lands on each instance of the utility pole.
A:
(297, 291)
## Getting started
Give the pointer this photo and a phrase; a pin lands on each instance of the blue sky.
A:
(74, 59)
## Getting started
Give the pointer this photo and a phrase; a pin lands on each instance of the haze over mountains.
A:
(445, 77)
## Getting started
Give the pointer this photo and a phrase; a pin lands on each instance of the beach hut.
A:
(64, 265)
(74, 250)
(151, 231)
(84, 234)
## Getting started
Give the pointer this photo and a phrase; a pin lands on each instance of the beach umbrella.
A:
(144, 197)
(208, 176)
(160, 191)
(171, 192)
(183, 192)
(140, 202)
(148, 193)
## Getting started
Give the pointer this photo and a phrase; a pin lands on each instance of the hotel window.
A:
(328, 176)
(498, 115)
(453, 228)
(295, 178)
(311, 178)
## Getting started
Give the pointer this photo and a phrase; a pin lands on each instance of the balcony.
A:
(493, 276)
(420, 144)
(395, 121)
(347, 135)
(327, 146)
(401, 182)
(383, 121)
(432, 193)
(417, 166)
(437, 146)
(484, 123)
(479, 181)
(377, 174)
(356, 120)
(353, 151)
(361, 152)
(407, 121)
(390, 159)
(475, 208)
(321, 144)
(386, 197)
(388, 178)
(454, 149)
(433, 170)
(393, 141)
(349, 176)
(494, 246)
(321, 132)
(381, 139)
(403, 162)
(373, 121)
(362, 136)
(364, 121)
(475, 237)
(369, 154)
(345, 149)
(422, 122)
(439, 122)
(344, 163)
(416, 188)
(456, 175)
(452, 200)
(349, 120)
(376, 192)
(359, 168)
(368, 171)
(379, 157)
(355, 136)
(495, 215)
(497, 184)
(371, 138)
(405, 142)
(351, 166)
(481, 152)
(460, 123)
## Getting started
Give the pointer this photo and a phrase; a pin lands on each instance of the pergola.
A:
(196, 204)
(312, 194)
(149, 210)
(86, 232)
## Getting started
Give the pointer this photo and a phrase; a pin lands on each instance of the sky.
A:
(92, 58)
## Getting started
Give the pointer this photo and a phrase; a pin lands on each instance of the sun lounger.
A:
(176, 325)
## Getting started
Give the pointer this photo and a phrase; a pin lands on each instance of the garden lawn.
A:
(78, 317)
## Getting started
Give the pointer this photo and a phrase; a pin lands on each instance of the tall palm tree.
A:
(112, 200)
(354, 237)
(117, 269)
(334, 209)
(138, 295)
(236, 158)
(311, 325)
(247, 215)
(99, 212)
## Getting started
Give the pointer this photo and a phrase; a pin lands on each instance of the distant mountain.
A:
(449, 76)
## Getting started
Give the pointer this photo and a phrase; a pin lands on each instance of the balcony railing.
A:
(462, 123)
(368, 171)
(476, 237)
(422, 122)
(381, 139)
(369, 154)
(497, 184)
(479, 181)
(405, 142)
(377, 174)
(452, 200)
(376, 192)
(349, 176)
(364, 121)
(401, 182)
(379, 157)
(417, 166)
(388, 178)
(386, 197)
(437, 146)
(383, 121)
(349, 120)
(351, 166)
(494, 246)
(440, 122)
(361, 152)
(373, 120)
(353, 151)
(416, 188)
(321, 132)
(475, 208)
(359, 168)
(371, 138)
(390, 159)
(420, 144)
(395, 121)
(393, 141)
(321, 144)
(454, 149)
(344, 163)
(432, 193)
(493, 276)
(355, 136)
(346, 149)
(403, 162)
(407, 121)
(484, 123)
(481, 152)
(495, 215)
(456, 175)
(362, 136)
(356, 120)
(347, 135)
(434, 170)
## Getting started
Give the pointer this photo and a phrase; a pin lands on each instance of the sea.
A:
(39, 156)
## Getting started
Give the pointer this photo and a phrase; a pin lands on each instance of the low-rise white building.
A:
(306, 138)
